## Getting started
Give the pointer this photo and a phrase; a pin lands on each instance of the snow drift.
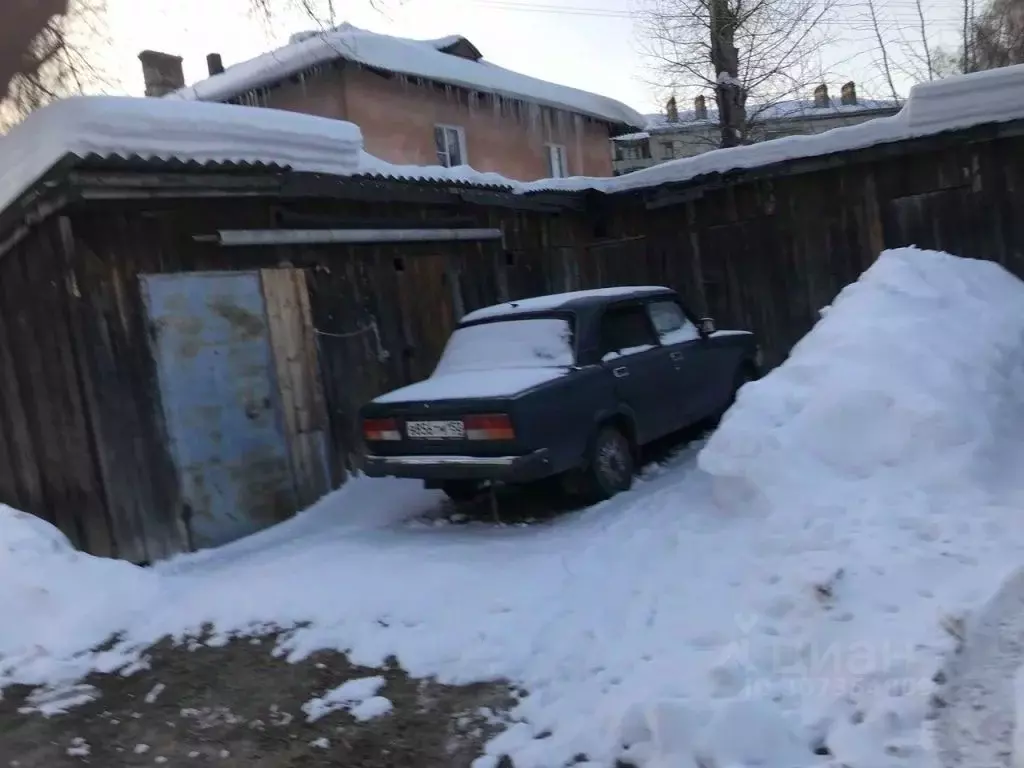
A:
(909, 379)
(882, 460)
(54, 600)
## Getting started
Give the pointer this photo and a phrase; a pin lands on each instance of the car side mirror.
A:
(707, 326)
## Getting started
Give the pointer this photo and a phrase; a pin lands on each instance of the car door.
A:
(694, 384)
(640, 366)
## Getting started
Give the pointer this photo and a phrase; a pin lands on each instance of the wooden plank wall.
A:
(768, 254)
(50, 463)
(81, 436)
(297, 366)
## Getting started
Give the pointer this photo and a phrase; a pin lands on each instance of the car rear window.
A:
(534, 342)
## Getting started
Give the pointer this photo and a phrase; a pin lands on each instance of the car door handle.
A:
(677, 355)
(620, 372)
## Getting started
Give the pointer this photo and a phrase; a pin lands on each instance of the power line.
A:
(907, 12)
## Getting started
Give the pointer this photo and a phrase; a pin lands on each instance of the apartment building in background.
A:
(677, 134)
(418, 102)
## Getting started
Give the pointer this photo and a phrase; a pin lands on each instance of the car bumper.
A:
(510, 469)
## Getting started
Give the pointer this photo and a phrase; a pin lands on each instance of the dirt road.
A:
(237, 705)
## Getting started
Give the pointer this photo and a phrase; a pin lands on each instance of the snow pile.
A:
(55, 601)
(417, 58)
(125, 127)
(882, 461)
(908, 381)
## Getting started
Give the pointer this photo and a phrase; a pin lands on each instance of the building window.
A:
(634, 151)
(558, 167)
(668, 150)
(451, 145)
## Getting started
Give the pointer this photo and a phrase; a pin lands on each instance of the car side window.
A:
(625, 331)
(671, 323)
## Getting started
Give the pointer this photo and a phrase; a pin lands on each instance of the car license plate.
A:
(435, 430)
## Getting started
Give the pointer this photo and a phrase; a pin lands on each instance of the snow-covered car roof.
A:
(428, 59)
(557, 301)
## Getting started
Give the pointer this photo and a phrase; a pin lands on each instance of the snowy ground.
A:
(788, 595)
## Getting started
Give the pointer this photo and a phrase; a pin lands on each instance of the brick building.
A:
(418, 102)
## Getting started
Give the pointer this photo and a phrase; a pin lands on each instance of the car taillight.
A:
(492, 426)
(381, 429)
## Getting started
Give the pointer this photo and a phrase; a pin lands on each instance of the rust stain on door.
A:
(222, 409)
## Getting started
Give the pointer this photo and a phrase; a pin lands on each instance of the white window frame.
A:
(460, 134)
(558, 170)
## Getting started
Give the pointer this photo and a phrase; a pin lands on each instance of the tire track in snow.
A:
(975, 727)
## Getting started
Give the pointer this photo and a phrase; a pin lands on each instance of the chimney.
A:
(821, 96)
(671, 110)
(700, 108)
(214, 64)
(161, 72)
(849, 94)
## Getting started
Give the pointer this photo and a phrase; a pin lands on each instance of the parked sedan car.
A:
(562, 386)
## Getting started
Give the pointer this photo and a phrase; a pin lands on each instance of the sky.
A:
(594, 45)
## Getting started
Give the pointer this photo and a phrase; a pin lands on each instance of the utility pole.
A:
(729, 93)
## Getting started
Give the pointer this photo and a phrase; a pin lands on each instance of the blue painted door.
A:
(217, 386)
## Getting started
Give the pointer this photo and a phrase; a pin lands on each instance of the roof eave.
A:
(221, 98)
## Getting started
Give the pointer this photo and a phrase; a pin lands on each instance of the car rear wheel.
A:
(461, 490)
(610, 464)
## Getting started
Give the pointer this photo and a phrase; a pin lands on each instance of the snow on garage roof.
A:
(191, 131)
(417, 58)
(126, 127)
(954, 103)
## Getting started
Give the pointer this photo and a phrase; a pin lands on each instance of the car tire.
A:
(460, 491)
(610, 464)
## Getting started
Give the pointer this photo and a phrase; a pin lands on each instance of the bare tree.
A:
(324, 13)
(751, 53)
(64, 60)
(966, 37)
(997, 36)
(883, 50)
(989, 40)
(21, 21)
(926, 49)
(321, 11)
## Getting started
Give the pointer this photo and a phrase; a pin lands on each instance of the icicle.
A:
(534, 117)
